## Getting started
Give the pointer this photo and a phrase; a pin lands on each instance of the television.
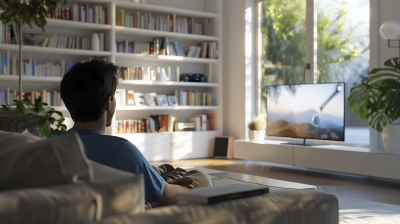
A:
(307, 111)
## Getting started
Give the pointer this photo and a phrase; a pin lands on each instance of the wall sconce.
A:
(390, 30)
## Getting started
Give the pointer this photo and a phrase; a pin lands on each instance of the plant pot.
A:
(13, 123)
(391, 138)
(257, 135)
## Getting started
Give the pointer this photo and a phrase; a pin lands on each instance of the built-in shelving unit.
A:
(155, 146)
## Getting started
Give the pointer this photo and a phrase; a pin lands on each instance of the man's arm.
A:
(169, 195)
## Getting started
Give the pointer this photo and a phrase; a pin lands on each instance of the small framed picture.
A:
(172, 101)
(173, 73)
(139, 99)
(151, 99)
(153, 73)
(162, 100)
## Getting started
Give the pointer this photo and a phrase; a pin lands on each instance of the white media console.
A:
(337, 158)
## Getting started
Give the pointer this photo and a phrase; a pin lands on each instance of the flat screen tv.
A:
(308, 111)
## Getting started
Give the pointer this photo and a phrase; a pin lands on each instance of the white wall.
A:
(234, 69)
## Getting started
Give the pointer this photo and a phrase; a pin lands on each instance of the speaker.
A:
(223, 147)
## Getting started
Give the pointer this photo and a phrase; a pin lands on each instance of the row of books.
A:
(83, 43)
(8, 96)
(165, 123)
(47, 69)
(130, 73)
(81, 12)
(152, 124)
(162, 22)
(194, 97)
(161, 46)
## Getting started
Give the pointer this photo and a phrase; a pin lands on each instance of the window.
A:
(340, 48)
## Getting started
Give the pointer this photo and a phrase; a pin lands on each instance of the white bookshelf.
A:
(155, 146)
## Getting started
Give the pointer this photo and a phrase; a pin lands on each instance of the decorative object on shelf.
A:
(390, 30)
(172, 101)
(391, 140)
(163, 75)
(153, 72)
(173, 73)
(139, 99)
(162, 100)
(33, 39)
(151, 99)
(223, 147)
(192, 78)
(20, 13)
(257, 127)
(31, 116)
(95, 42)
(131, 101)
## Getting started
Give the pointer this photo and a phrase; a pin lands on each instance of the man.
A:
(87, 90)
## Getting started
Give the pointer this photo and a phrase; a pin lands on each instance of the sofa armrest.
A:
(122, 192)
(60, 204)
(283, 207)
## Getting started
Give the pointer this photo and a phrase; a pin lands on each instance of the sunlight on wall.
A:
(249, 67)
(182, 144)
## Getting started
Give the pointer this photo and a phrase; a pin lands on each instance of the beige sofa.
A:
(99, 194)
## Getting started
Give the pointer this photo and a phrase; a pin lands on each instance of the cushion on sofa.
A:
(283, 207)
(59, 204)
(30, 162)
(122, 192)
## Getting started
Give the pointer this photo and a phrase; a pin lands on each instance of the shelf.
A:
(167, 83)
(164, 9)
(165, 58)
(30, 78)
(53, 50)
(161, 133)
(167, 107)
(57, 23)
(156, 33)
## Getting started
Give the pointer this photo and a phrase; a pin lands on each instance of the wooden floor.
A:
(354, 186)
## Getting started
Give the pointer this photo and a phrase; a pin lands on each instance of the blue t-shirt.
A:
(121, 154)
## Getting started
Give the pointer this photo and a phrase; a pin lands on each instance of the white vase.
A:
(95, 42)
(391, 138)
(163, 75)
(257, 135)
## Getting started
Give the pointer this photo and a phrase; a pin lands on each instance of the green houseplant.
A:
(378, 100)
(34, 12)
(20, 13)
(257, 127)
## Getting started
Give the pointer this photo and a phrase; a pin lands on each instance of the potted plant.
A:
(378, 100)
(20, 13)
(257, 127)
(33, 117)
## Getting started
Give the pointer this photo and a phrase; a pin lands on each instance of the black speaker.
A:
(223, 147)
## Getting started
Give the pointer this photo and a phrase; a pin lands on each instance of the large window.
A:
(339, 33)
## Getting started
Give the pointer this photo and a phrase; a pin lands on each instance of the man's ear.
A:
(107, 104)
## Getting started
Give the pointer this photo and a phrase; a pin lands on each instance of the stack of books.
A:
(194, 97)
(8, 96)
(162, 22)
(203, 122)
(81, 12)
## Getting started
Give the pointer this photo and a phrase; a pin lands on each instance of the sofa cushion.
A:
(60, 204)
(122, 192)
(283, 207)
(30, 162)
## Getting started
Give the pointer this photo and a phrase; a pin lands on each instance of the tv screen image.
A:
(309, 111)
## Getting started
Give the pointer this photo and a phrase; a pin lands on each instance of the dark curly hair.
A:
(85, 87)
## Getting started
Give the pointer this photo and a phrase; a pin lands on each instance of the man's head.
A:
(88, 89)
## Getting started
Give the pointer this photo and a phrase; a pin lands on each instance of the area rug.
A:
(361, 211)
